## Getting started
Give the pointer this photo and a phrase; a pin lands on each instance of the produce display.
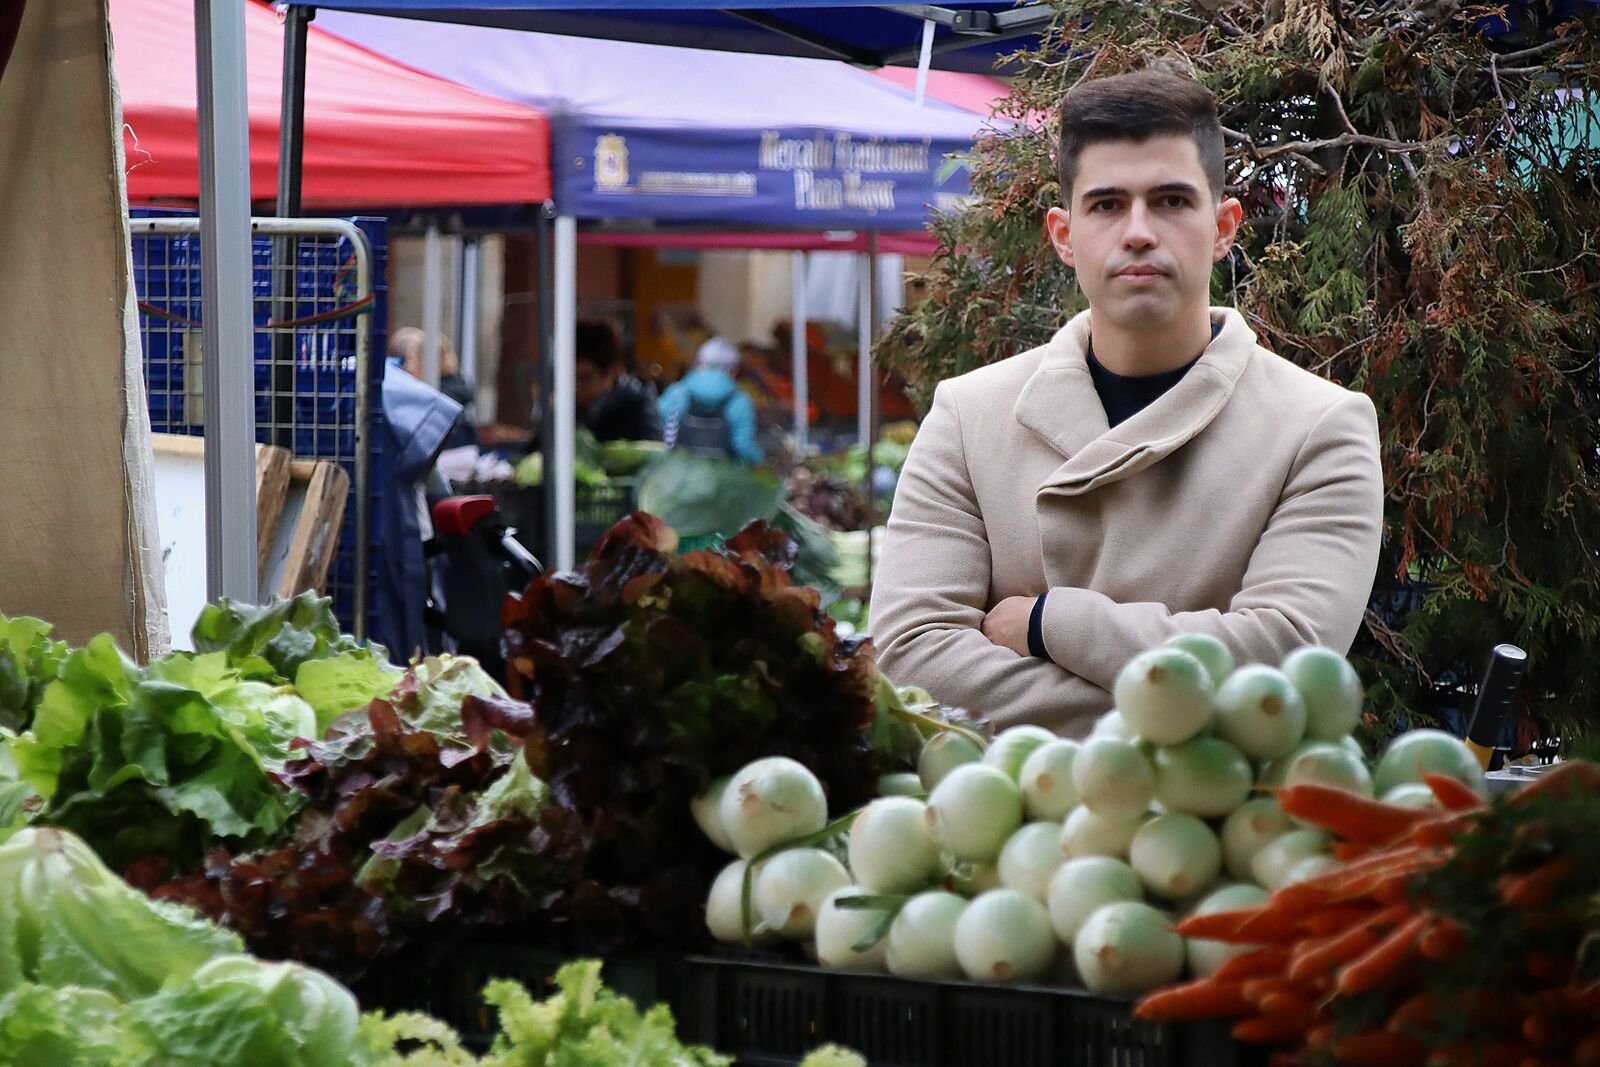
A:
(687, 747)
(1035, 859)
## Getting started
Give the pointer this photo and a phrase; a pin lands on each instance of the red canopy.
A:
(377, 134)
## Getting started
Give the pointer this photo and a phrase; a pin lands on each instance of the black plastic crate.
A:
(770, 1014)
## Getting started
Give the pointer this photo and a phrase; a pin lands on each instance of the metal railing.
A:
(312, 352)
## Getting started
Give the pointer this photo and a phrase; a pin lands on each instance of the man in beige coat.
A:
(1151, 470)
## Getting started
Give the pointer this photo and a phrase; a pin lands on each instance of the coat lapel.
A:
(1060, 404)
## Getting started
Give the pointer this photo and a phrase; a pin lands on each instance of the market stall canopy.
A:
(377, 134)
(971, 36)
(681, 135)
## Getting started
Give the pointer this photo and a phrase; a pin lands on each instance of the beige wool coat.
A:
(1246, 502)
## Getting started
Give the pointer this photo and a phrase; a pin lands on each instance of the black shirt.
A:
(1124, 397)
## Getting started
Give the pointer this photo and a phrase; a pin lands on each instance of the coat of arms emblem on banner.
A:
(611, 161)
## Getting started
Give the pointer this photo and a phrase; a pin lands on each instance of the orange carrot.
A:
(1269, 1030)
(1258, 989)
(1312, 957)
(1417, 1015)
(1540, 1030)
(1389, 859)
(1336, 918)
(1583, 1000)
(1442, 940)
(1254, 964)
(1300, 897)
(1535, 888)
(1377, 1048)
(1275, 925)
(1379, 964)
(1350, 815)
(1546, 966)
(1452, 793)
(1393, 888)
(1218, 925)
(1477, 1054)
(1286, 1005)
(1204, 998)
(1346, 851)
(1442, 830)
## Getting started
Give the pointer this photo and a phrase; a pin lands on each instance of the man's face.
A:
(591, 383)
(1142, 231)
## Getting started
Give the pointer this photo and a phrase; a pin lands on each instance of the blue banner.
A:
(806, 177)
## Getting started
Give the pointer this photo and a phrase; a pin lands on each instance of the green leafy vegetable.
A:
(269, 717)
(28, 663)
(44, 1026)
(66, 919)
(270, 642)
(344, 682)
(238, 1009)
(697, 495)
(140, 765)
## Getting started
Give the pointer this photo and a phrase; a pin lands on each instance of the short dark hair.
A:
(1135, 107)
(598, 343)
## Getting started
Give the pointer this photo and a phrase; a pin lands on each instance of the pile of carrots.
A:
(1466, 935)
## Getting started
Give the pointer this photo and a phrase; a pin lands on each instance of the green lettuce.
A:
(270, 642)
(28, 663)
(268, 717)
(44, 1026)
(141, 766)
(345, 682)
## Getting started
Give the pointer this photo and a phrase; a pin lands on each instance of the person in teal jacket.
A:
(707, 413)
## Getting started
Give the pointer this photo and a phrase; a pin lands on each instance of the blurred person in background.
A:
(707, 413)
(613, 404)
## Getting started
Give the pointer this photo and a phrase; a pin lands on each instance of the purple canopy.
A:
(647, 131)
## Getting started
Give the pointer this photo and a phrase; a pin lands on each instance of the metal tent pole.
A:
(560, 472)
(286, 249)
(797, 347)
(867, 416)
(432, 302)
(467, 311)
(864, 352)
(227, 287)
(547, 380)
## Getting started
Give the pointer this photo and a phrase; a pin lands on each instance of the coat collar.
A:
(1060, 404)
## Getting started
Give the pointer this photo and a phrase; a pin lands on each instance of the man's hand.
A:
(1006, 624)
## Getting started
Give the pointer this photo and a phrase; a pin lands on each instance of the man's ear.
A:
(1058, 225)
(1230, 216)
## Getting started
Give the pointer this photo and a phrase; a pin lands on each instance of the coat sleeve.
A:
(1308, 581)
(741, 416)
(931, 592)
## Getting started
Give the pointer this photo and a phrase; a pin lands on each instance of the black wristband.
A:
(1036, 628)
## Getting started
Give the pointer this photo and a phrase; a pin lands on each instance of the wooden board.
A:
(272, 489)
(180, 492)
(308, 532)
